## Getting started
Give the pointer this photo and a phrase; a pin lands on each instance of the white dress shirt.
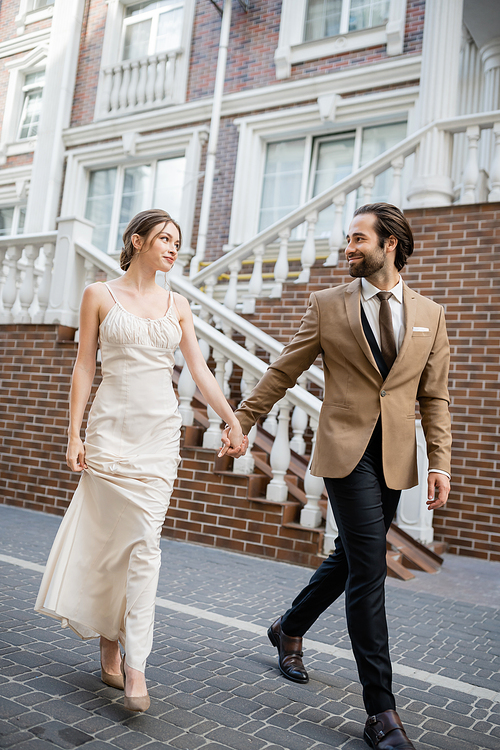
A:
(371, 307)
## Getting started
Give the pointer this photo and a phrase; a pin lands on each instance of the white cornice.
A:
(356, 78)
(23, 43)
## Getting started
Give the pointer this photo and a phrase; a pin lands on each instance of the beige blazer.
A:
(355, 393)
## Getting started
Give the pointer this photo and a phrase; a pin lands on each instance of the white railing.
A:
(132, 85)
(362, 180)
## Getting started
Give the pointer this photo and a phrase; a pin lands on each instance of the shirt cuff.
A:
(439, 471)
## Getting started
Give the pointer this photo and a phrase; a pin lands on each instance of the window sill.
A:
(285, 57)
(26, 146)
(33, 16)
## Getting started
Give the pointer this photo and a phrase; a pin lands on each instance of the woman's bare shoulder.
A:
(181, 303)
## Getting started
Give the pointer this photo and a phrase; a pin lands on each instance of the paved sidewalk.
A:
(212, 675)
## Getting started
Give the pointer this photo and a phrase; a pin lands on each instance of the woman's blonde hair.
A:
(142, 224)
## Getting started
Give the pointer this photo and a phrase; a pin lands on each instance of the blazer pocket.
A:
(420, 334)
(334, 406)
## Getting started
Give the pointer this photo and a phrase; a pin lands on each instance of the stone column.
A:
(60, 76)
(432, 183)
(490, 57)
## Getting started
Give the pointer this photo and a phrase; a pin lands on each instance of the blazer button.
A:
(382, 393)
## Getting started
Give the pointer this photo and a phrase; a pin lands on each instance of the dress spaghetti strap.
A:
(171, 303)
(109, 290)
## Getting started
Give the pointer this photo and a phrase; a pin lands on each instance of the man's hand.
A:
(438, 489)
(233, 447)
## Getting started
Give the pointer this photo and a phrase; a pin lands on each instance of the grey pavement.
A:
(212, 674)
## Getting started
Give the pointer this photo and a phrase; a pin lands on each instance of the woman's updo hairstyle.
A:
(142, 224)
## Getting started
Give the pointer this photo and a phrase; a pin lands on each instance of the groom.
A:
(383, 347)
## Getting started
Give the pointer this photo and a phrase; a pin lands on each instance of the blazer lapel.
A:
(353, 309)
(410, 312)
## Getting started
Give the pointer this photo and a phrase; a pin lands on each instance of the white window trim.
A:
(10, 145)
(256, 131)
(27, 14)
(134, 149)
(292, 49)
(112, 48)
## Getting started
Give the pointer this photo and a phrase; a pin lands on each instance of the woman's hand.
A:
(234, 443)
(75, 454)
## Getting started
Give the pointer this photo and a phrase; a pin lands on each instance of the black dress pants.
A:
(363, 507)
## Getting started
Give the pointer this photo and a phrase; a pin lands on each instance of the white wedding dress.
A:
(102, 572)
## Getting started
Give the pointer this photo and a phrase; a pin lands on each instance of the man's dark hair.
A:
(390, 221)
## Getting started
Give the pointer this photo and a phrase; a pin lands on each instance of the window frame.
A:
(28, 89)
(155, 17)
(28, 14)
(292, 49)
(118, 192)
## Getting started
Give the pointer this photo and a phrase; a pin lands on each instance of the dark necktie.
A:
(387, 341)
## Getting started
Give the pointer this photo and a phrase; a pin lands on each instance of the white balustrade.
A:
(331, 531)
(471, 171)
(310, 515)
(136, 84)
(90, 271)
(495, 167)
(46, 279)
(367, 186)
(255, 283)
(231, 297)
(395, 194)
(212, 436)
(308, 254)
(3, 275)
(279, 459)
(300, 419)
(413, 515)
(27, 286)
(12, 282)
(186, 388)
(245, 464)
(337, 234)
(281, 266)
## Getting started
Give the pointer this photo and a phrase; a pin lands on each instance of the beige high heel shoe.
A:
(140, 703)
(113, 680)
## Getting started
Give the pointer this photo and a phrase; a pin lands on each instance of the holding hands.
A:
(234, 443)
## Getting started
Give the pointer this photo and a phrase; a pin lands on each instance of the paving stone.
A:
(60, 734)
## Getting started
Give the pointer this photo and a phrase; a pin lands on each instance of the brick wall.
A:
(89, 62)
(457, 263)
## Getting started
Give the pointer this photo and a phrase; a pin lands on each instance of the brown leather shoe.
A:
(384, 731)
(289, 653)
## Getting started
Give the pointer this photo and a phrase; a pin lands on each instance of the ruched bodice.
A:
(102, 572)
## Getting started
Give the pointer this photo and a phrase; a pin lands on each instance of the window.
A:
(150, 27)
(12, 220)
(32, 105)
(42, 4)
(116, 194)
(297, 170)
(331, 17)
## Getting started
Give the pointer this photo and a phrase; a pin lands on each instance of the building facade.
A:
(326, 104)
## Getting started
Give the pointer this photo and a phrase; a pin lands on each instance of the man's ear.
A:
(391, 244)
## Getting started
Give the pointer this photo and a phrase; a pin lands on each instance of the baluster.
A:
(160, 77)
(231, 297)
(281, 266)
(170, 68)
(114, 97)
(368, 184)
(279, 459)
(270, 423)
(45, 282)
(107, 83)
(27, 288)
(150, 84)
(331, 531)
(308, 254)
(124, 88)
(11, 283)
(90, 272)
(471, 171)
(212, 436)
(310, 515)
(395, 196)
(337, 234)
(143, 78)
(495, 167)
(255, 283)
(3, 276)
(299, 424)
(186, 388)
(132, 87)
(228, 371)
(245, 464)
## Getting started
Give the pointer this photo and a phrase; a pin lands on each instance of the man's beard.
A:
(368, 266)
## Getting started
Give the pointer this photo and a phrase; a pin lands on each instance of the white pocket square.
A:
(417, 328)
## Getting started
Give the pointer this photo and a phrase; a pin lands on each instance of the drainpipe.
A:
(212, 140)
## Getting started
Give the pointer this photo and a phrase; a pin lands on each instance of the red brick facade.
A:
(456, 263)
